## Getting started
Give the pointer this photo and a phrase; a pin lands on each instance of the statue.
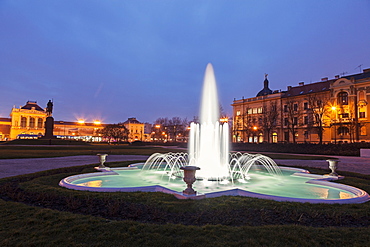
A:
(49, 108)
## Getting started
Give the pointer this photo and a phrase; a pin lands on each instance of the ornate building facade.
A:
(334, 110)
(28, 122)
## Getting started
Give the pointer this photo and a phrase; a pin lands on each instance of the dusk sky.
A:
(115, 59)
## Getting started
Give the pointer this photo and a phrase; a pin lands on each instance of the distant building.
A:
(27, 122)
(136, 130)
(334, 110)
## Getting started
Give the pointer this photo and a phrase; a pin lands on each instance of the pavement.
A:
(14, 167)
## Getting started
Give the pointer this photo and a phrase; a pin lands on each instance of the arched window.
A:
(343, 98)
(23, 122)
(361, 95)
(32, 122)
(39, 123)
(343, 131)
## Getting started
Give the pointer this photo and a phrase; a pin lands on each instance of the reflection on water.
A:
(336, 194)
(94, 183)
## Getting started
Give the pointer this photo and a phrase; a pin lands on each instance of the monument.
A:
(49, 123)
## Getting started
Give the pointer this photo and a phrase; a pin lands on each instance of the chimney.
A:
(301, 83)
(366, 70)
(324, 79)
(337, 77)
(289, 87)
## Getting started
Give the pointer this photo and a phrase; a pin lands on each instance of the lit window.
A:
(343, 98)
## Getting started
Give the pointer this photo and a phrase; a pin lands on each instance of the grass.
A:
(35, 211)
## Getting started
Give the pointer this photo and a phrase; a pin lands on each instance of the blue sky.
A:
(115, 59)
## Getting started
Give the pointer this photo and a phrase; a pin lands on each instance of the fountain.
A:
(212, 170)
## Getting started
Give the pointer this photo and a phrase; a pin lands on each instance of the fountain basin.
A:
(297, 185)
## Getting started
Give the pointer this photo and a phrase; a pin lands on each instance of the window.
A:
(285, 108)
(295, 107)
(363, 131)
(32, 122)
(39, 123)
(343, 98)
(305, 106)
(362, 115)
(286, 121)
(295, 121)
(23, 122)
(259, 110)
(343, 131)
(305, 120)
(274, 137)
(361, 95)
(344, 115)
(238, 113)
(305, 135)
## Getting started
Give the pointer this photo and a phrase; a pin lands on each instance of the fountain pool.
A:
(292, 185)
(220, 172)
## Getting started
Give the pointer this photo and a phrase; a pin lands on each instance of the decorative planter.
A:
(189, 179)
(102, 158)
(333, 165)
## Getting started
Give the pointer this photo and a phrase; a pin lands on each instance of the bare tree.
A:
(170, 129)
(114, 132)
(292, 117)
(270, 115)
(319, 108)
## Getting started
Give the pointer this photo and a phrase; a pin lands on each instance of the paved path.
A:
(346, 163)
(13, 167)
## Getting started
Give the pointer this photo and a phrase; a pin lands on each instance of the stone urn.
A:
(189, 179)
(102, 158)
(333, 165)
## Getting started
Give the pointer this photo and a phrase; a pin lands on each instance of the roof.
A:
(4, 119)
(307, 89)
(266, 90)
(363, 75)
(131, 120)
(31, 104)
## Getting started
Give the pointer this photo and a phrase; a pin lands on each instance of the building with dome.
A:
(330, 111)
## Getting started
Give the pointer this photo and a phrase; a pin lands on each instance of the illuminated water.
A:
(209, 140)
(287, 185)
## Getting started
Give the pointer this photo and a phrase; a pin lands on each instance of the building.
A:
(28, 122)
(136, 130)
(332, 110)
